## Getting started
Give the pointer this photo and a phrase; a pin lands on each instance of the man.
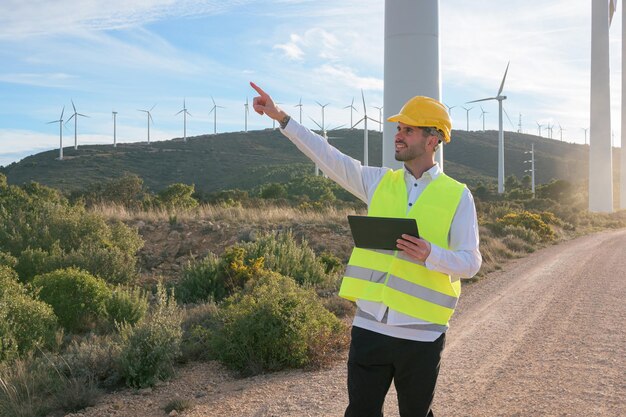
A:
(404, 298)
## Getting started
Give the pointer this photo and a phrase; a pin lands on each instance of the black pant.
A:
(376, 359)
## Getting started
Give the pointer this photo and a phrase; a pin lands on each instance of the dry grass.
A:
(266, 213)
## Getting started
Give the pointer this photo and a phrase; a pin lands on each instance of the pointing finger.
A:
(259, 90)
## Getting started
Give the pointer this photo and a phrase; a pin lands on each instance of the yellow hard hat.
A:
(424, 111)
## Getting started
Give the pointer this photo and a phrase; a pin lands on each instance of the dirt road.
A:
(544, 337)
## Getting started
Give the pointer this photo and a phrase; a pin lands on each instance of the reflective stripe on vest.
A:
(395, 279)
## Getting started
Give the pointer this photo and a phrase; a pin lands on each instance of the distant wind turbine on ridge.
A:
(150, 119)
(365, 132)
(482, 115)
(352, 108)
(185, 113)
(499, 97)
(60, 122)
(380, 117)
(245, 113)
(300, 105)
(75, 116)
(467, 116)
(214, 111)
(539, 126)
(114, 113)
(561, 131)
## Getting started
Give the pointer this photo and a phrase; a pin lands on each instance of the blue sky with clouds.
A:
(133, 54)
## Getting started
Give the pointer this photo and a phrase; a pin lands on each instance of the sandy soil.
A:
(543, 337)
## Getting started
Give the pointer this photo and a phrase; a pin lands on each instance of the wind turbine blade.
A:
(212, 110)
(179, 112)
(62, 111)
(318, 125)
(364, 108)
(359, 121)
(503, 78)
(507, 116)
(189, 114)
(72, 116)
(83, 115)
(152, 108)
(73, 105)
(482, 99)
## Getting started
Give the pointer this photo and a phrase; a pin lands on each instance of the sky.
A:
(131, 55)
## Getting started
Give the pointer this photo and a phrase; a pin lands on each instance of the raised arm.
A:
(264, 105)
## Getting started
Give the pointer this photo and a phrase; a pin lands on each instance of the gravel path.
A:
(543, 337)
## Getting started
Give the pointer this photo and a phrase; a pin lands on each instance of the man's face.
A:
(410, 142)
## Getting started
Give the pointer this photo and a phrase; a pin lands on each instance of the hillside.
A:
(245, 160)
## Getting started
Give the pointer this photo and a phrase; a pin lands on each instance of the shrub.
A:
(77, 297)
(274, 190)
(177, 196)
(151, 346)
(236, 270)
(275, 324)
(528, 221)
(281, 253)
(32, 322)
(95, 359)
(127, 305)
(201, 281)
(199, 325)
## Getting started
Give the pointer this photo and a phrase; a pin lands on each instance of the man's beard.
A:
(406, 154)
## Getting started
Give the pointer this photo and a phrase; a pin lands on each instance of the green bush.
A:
(281, 253)
(128, 191)
(274, 324)
(127, 305)
(77, 297)
(40, 228)
(274, 190)
(95, 358)
(201, 281)
(24, 322)
(151, 347)
(177, 196)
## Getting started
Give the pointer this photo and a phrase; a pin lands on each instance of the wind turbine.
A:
(539, 126)
(325, 136)
(450, 109)
(150, 119)
(246, 111)
(60, 122)
(300, 105)
(500, 98)
(365, 136)
(75, 116)
(467, 116)
(351, 107)
(114, 128)
(519, 126)
(482, 114)
(380, 117)
(185, 113)
(323, 108)
(549, 129)
(214, 111)
(585, 129)
(561, 131)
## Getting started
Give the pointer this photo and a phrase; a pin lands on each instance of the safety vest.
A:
(391, 277)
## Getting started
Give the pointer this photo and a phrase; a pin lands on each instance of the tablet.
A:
(380, 232)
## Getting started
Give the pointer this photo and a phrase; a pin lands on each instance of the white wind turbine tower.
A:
(519, 125)
(467, 116)
(549, 128)
(482, 114)
(114, 128)
(245, 112)
(365, 135)
(539, 126)
(185, 113)
(300, 105)
(351, 107)
(500, 98)
(585, 129)
(60, 122)
(600, 152)
(75, 116)
(150, 119)
(325, 136)
(214, 111)
(323, 108)
(380, 118)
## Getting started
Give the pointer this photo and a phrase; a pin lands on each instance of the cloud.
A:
(342, 75)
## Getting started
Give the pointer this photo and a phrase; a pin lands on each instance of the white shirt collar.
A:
(433, 172)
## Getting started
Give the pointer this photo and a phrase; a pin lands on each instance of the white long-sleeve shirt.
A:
(461, 260)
